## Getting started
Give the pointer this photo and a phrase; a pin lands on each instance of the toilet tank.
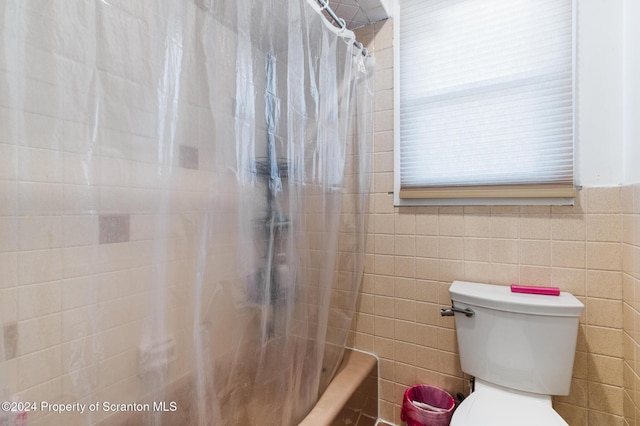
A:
(521, 341)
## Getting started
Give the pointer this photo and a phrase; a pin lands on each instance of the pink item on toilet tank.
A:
(547, 291)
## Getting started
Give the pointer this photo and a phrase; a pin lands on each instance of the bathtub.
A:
(352, 396)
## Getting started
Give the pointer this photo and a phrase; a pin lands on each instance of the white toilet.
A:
(520, 349)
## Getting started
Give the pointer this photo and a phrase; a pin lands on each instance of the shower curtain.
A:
(183, 196)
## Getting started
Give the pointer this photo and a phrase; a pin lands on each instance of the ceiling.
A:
(358, 13)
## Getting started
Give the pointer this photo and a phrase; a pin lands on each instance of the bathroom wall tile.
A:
(383, 141)
(8, 270)
(40, 198)
(605, 398)
(405, 288)
(450, 270)
(384, 244)
(40, 232)
(427, 358)
(405, 245)
(80, 230)
(535, 252)
(535, 227)
(451, 248)
(38, 334)
(382, 182)
(568, 254)
(502, 273)
(384, 306)
(568, 227)
(39, 266)
(427, 224)
(604, 313)
(426, 246)
(8, 198)
(405, 353)
(384, 348)
(39, 367)
(605, 369)
(427, 269)
(477, 225)
(477, 272)
(505, 225)
(427, 335)
(571, 280)
(8, 161)
(604, 284)
(605, 341)
(451, 221)
(505, 251)
(8, 233)
(39, 165)
(604, 256)
(427, 291)
(384, 327)
(404, 266)
(477, 249)
(604, 227)
(535, 274)
(405, 309)
(405, 331)
(603, 200)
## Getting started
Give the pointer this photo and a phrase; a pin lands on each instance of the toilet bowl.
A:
(519, 348)
(492, 405)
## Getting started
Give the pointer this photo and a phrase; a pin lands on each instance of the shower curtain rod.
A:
(324, 5)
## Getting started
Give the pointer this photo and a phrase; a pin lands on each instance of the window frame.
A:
(540, 194)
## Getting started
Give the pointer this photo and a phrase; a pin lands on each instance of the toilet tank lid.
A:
(501, 298)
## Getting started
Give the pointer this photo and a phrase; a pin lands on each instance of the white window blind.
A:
(485, 96)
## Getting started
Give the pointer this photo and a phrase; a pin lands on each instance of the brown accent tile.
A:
(113, 229)
(189, 157)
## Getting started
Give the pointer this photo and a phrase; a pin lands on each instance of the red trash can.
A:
(425, 405)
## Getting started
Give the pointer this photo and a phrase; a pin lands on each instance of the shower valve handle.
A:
(449, 312)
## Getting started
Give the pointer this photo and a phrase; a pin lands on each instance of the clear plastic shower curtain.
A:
(183, 200)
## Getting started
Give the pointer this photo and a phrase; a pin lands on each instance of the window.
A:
(484, 102)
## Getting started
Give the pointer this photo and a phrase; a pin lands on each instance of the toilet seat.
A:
(492, 405)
